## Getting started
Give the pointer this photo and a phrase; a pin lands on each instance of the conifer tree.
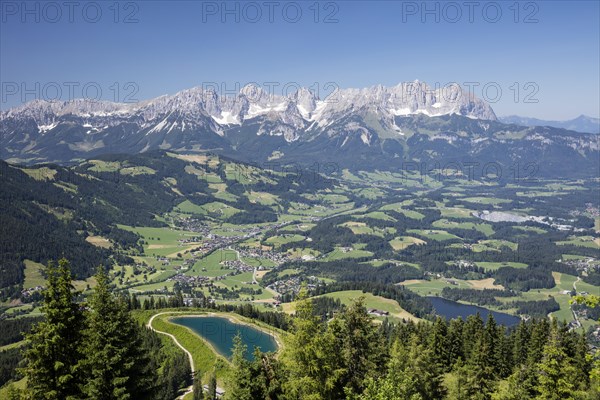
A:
(198, 389)
(455, 341)
(240, 381)
(361, 347)
(438, 344)
(514, 388)
(212, 387)
(115, 364)
(302, 357)
(521, 343)
(53, 354)
(556, 371)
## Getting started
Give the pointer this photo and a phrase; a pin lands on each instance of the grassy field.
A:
(435, 286)
(221, 193)
(438, 235)
(34, 278)
(40, 174)
(456, 212)
(215, 209)
(564, 284)
(377, 215)
(259, 262)
(494, 244)
(302, 209)
(33, 275)
(584, 241)
(4, 390)
(531, 229)
(539, 193)
(211, 264)
(361, 228)
(162, 241)
(487, 200)
(263, 198)
(486, 229)
(398, 207)
(284, 238)
(402, 242)
(432, 287)
(339, 253)
(492, 266)
(99, 241)
(371, 301)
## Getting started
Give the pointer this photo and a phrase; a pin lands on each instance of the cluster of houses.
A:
(190, 280)
(586, 265)
(164, 261)
(293, 284)
(590, 209)
(238, 265)
(274, 256)
(464, 264)
(26, 293)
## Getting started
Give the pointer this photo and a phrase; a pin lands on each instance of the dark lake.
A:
(451, 309)
(219, 332)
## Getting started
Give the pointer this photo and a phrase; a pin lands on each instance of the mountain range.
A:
(583, 123)
(371, 128)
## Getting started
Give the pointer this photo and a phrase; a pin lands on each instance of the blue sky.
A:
(545, 58)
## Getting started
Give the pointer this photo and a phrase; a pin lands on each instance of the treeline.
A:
(409, 301)
(350, 357)
(326, 307)
(28, 231)
(524, 279)
(273, 318)
(94, 350)
(485, 297)
(593, 278)
(13, 329)
(9, 361)
(539, 309)
(352, 270)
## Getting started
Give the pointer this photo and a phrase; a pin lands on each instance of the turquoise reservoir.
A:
(219, 332)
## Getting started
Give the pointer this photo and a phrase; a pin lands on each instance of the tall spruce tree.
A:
(556, 371)
(115, 364)
(361, 348)
(53, 353)
(240, 381)
(212, 387)
(198, 389)
(302, 355)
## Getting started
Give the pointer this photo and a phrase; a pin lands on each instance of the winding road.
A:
(189, 389)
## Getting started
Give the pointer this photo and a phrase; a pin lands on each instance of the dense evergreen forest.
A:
(92, 350)
(96, 350)
(350, 357)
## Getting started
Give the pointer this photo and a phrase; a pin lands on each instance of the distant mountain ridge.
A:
(583, 123)
(372, 128)
(403, 99)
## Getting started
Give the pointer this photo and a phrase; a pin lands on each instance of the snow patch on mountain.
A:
(290, 116)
